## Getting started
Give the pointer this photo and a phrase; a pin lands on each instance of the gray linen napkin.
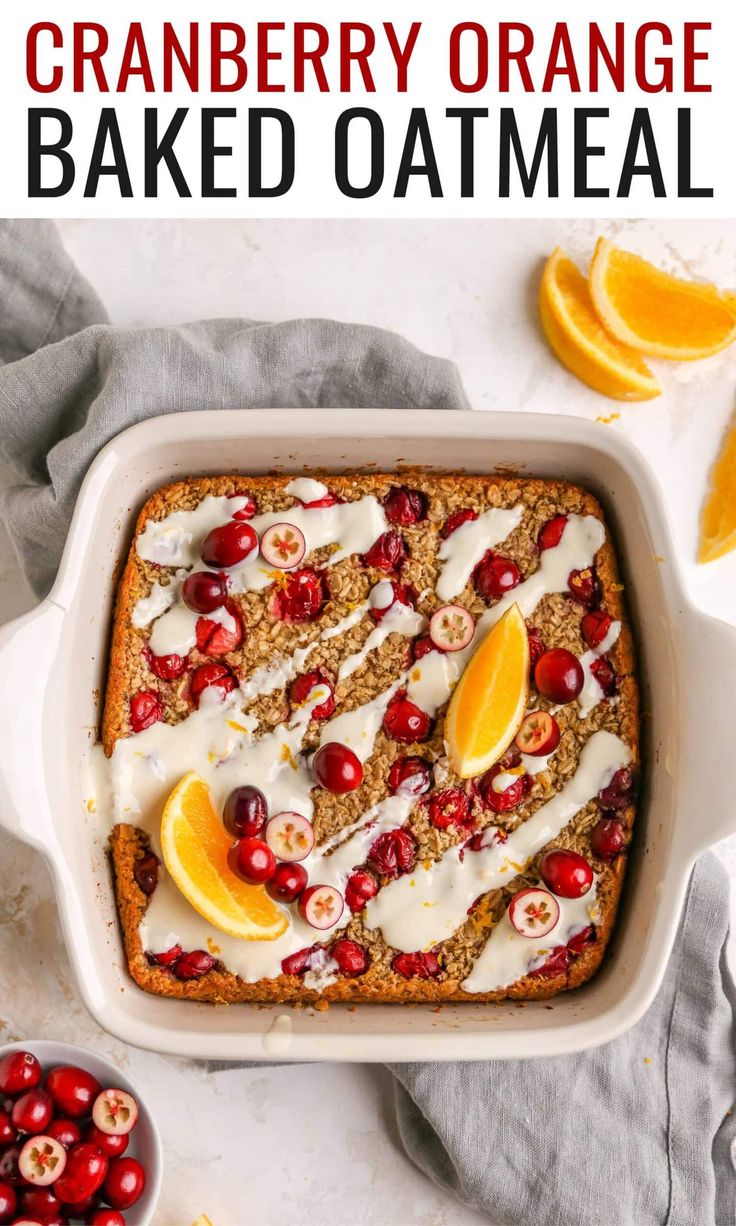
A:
(636, 1132)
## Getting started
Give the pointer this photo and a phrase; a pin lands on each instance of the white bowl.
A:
(53, 664)
(145, 1142)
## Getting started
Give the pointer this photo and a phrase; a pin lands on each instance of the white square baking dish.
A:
(53, 665)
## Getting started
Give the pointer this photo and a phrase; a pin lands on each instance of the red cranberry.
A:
(301, 597)
(585, 586)
(248, 509)
(246, 811)
(106, 1217)
(214, 639)
(8, 1203)
(229, 544)
(40, 1204)
(166, 668)
(566, 873)
(145, 709)
(394, 852)
(81, 1208)
(193, 965)
(302, 688)
(595, 626)
(327, 500)
(404, 721)
(422, 646)
(9, 1170)
(387, 554)
(66, 1132)
(558, 963)
(111, 1144)
(8, 1131)
(296, 964)
(619, 793)
(550, 534)
(255, 861)
(502, 802)
(288, 882)
(360, 888)
(411, 776)
(586, 936)
(605, 676)
(454, 521)
(217, 675)
(607, 838)
(337, 768)
(494, 576)
(558, 675)
(19, 1071)
(404, 506)
(167, 957)
(73, 1090)
(32, 1111)
(351, 958)
(536, 646)
(417, 966)
(83, 1174)
(204, 591)
(397, 593)
(125, 1182)
(449, 807)
(145, 872)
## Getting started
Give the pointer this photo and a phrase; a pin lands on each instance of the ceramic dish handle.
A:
(708, 702)
(28, 647)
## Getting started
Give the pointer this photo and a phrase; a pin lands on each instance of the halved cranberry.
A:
(300, 598)
(302, 687)
(595, 626)
(410, 776)
(585, 586)
(255, 861)
(8, 1203)
(145, 709)
(386, 594)
(321, 906)
(337, 768)
(417, 965)
(145, 871)
(290, 836)
(84, 1173)
(166, 668)
(167, 957)
(534, 912)
(41, 1161)
(193, 965)
(214, 639)
(422, 646)
(605, 676)
(550, 534)
(451, 628)
(607, 838)
(559, 675)
(566, 873)
(404, 506)
(296, 964)
(539, 734)
(405, 722)
(586, 936)
(350, 957)
(556, 964)
(360, 888)
(502, 802)
(287, 883)
(464, 515)
(229, 544)
(394, 852)
(619, 792)
(66, 1132)
(248, 509)
(536, 646)
(245, 812)
(125, 1182)
(494, 576)
(204, 591)
(387, 553)
(450, 807)
(283, 546)
(19, 1070)
(32, 1111)
(115, 1112)
(206, 676)
(73, 1089)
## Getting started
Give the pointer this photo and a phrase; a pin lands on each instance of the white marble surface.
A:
(290, 1144)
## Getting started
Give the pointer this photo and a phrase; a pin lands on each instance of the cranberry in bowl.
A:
(77, 1091)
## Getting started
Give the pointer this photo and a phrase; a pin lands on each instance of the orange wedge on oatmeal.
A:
(718, 522)
(657, 314)
(489, 701)
(195, 847)
(577, 336)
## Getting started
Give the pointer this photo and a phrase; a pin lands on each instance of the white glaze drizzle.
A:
(507, 955)
(426, 906)
(147, 608)
(465, 547)
(306, 489)
(175, 633)
(400, 619)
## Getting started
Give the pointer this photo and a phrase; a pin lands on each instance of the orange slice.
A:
(195, 845)
(718, 522)
(490, 699)
(580, 341)
(655, 313)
